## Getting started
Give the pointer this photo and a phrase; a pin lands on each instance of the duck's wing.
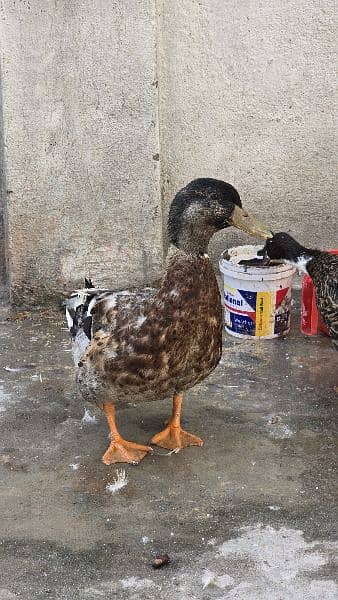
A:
(327, 299)
(120, 309)
(90, 310)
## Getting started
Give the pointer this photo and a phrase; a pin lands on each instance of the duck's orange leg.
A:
(121, 450)
(173, 437)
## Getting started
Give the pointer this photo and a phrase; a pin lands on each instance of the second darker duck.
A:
(322, 268)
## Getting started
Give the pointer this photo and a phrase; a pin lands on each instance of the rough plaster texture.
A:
(248, 95)
(3, 265)
(81, 131)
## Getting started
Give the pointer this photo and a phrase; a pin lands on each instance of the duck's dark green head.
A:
(203, 207)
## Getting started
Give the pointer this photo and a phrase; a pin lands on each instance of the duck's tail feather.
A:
(88, 283)
(79, 319)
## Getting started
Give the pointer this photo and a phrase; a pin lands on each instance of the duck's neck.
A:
(188, 275)
(176, 254)
(303, 261)
(194, 240)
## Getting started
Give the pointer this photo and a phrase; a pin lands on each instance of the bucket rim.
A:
(226, 266)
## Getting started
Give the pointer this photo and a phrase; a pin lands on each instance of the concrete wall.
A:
(81, 133)
(3, 249)
(246, 94)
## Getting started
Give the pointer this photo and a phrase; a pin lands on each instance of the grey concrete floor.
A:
(251, 515)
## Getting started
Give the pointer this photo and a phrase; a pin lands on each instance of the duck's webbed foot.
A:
(120, 450)
(173, 437)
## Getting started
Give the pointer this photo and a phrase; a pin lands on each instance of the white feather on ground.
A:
(120, 481)
(88, 418)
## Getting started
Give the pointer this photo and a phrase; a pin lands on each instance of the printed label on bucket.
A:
(258, 314)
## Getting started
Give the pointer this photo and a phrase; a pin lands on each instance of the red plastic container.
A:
(311, 322)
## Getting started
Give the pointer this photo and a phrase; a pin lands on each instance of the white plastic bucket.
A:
(257, 300)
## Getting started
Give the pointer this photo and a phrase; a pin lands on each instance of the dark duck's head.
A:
(285, 248)
(203, 207)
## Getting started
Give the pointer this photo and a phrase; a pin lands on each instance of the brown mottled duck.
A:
(149, 344)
